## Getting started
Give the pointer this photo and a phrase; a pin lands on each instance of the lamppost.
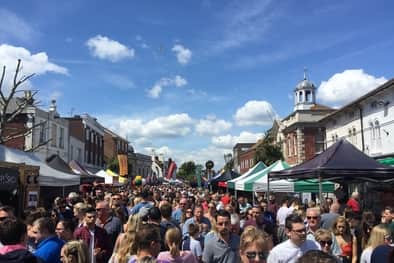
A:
(227, 159)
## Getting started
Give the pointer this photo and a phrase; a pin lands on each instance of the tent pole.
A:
(320, 190)
(268, 187)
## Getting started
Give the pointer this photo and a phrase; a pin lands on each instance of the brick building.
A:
(302, 135)
(113, 145)
(238, 149)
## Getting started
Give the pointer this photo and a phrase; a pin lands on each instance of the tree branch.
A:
(1, 85)
(39, 145)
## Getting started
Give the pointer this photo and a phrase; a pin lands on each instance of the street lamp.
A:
(228, 157)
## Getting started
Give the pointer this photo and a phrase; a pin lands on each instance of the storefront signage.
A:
(8, 178)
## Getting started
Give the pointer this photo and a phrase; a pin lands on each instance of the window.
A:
(79, 154)
(61, 138)
(386, 110)
(295, 145)
(308, 96)
(54, 136)
(377, 129)
(319, 141)
(72, 152)
(42, 132)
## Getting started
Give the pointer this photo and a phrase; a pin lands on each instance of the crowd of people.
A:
(166, 223)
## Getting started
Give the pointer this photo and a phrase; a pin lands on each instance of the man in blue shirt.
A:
(49, 245)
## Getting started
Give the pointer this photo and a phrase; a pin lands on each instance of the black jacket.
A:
(19, 256)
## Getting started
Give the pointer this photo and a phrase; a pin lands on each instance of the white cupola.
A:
(304, 94)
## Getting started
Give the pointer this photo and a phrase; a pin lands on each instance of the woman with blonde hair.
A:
(125, 243)
(173, 239)
(254, 245)
(377, 237)
(346, 241)
(74, 252)
(324, 238)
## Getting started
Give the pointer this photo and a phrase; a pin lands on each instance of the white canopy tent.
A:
(48, 176)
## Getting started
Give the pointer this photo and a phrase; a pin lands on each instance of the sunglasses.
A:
(312, 217)
(253, 254)
(300, 231)
(3, 218)
(324, 243)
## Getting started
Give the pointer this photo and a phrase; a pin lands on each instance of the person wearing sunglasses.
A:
(254, 245)
(324, 238)
(297, 244)
(313, 220)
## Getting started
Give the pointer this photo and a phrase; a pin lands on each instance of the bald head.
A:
(334, 208)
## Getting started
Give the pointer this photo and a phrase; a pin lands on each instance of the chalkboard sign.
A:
(8, 178)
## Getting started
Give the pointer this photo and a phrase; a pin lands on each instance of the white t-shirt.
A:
(366, 255)
(195, 247)
(281, 215)
(91, 246)
(288, 252)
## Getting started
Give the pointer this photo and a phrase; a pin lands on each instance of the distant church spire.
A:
(305, 70)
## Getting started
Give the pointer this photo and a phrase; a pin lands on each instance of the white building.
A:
(52, 134)
(368, 122)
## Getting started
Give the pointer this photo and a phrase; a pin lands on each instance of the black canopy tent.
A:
(341, 162)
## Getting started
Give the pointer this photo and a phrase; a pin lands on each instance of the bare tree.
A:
(11, 106)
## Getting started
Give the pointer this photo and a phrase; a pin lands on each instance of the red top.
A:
(226, 199)
(353, 204)
(347, 249)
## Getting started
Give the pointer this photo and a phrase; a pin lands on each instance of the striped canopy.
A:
(255, 169)
(258, 182)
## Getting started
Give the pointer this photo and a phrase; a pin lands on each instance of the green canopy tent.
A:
(259, 182)
(387, 161)
(255, 169)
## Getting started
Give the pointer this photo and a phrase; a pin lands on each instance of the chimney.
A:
(52, 108)
(29, 97)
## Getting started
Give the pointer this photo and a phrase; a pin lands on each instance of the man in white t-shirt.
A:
(281, 215)
(297, 244)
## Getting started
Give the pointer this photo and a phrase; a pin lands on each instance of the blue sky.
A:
(192, 78)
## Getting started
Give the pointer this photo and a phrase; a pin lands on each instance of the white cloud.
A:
(179, 81)
(255, 113)
(201, 156)
(38, 64)
(55, 95)
(32, 63)
(183, 54)
(13, 27)
(243, 24)
(212, 126)
(228, 141)
(345, 87)
(171, 126)
(164, 151)
(156, 90)
(108, 49)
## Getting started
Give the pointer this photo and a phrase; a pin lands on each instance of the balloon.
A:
(143, 181)
(137, 181)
